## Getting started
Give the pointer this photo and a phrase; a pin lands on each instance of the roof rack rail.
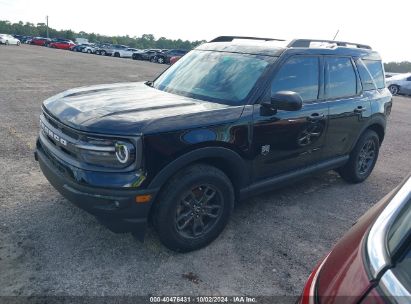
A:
(231, 38)
(306, 43)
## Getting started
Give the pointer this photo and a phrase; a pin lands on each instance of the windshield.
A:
(214, 76)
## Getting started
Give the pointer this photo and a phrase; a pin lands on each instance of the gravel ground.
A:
(50, 247)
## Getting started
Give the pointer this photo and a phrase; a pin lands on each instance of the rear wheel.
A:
(89, 51)
(362, 158)
(7, 42)
(193, 208)
(153, 59)
(103, 53)
(160, 60)
(116, 54)
(18, 43)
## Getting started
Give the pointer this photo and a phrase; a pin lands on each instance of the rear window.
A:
(376, 70)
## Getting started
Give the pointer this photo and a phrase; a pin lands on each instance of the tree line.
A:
(398, 67)
(146, 41)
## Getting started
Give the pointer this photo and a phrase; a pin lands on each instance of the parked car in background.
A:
(8, 39)
(103, 49)
(174, 59)
(39, 41)
(78, 47)
(399, 84)
(126, 53)
(164, 57)
(54, 40)
(90, 49)
(64, 45)
(146, 55)
(372, 262)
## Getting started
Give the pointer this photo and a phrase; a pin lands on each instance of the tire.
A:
(160, 60)
(116, 54)
(394, 89)
(181, 197)
(89, 51)
(362, 158)
(7, 42)
(103, 53)
(153, 59)
(18, 43)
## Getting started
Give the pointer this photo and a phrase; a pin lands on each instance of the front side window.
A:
(399, 244)
(299, 74)
(341, 80)
(214, 76)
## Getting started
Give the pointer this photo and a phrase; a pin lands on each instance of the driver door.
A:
(288, 140)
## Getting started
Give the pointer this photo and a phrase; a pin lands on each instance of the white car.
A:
(399, 84)
(125, 53)
(8, 39)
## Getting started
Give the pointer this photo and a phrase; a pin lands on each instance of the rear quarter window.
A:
(377, 72)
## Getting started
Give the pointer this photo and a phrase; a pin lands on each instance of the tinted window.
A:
(376, 71)
(366, 79)
(340, 77)
(409, 79)
(298, 74)
(213, 76)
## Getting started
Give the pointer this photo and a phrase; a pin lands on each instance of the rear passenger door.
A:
(350, 110)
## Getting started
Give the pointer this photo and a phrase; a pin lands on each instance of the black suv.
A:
(232, 118)
(166, 56)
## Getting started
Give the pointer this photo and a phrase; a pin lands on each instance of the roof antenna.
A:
(335, 36)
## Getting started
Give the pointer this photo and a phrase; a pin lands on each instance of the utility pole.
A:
(47, 25)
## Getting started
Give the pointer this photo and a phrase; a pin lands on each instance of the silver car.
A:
(399, 84)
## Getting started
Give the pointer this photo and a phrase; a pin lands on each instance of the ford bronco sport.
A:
(232, 118)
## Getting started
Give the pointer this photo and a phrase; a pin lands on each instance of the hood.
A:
(133, 108)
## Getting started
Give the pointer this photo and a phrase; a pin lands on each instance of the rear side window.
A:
(376, 71)
(341, 80)
(299, 74)
(366, 78)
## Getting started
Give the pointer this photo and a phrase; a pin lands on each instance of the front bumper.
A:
(116, 208)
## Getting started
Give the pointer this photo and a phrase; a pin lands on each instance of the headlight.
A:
(108, 153)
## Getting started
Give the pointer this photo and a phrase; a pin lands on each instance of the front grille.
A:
(58, 138)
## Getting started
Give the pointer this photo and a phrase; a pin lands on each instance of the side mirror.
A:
(287, 101)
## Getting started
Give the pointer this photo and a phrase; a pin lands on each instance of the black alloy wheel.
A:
(199, 210)
(193, 207)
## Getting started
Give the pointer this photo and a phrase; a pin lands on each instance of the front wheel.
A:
(362, 159)
(103, 53)
(394, 89)
(18, 43)
(193, 208)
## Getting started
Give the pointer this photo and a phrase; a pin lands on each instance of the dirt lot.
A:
(50, 247)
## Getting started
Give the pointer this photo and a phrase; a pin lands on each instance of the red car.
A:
(372, 262)
(64, 45)
(39, 41)
(174, 59)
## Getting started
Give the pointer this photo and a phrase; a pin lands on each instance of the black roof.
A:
(275, 47)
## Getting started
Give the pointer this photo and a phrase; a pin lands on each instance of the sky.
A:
(385, 25)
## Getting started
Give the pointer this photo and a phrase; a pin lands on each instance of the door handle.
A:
(316, 117)
(359, 110)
